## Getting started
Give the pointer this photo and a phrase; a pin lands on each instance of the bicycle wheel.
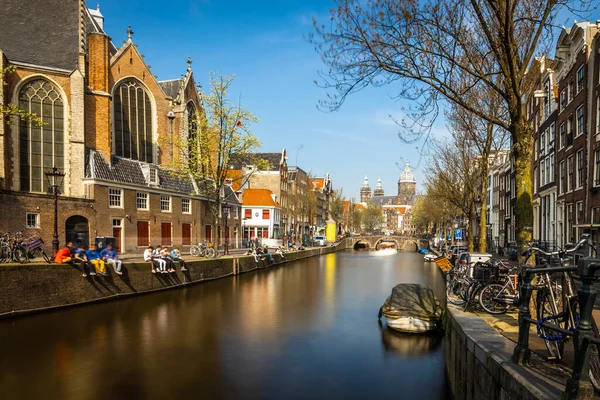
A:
(215, 253)
(46, 257)
(489, 301)
(5, 253)
(594, 361)
(547, 309)
(454, 293)
(195, 251)
(210, 252)
(20, 255)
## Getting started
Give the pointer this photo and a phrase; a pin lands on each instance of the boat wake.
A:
(384, 252)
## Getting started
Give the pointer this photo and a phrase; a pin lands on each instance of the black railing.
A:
(578, 385)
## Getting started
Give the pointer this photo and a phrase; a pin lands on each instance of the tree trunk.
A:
(483, 216)
(523, 208)
(470, 241)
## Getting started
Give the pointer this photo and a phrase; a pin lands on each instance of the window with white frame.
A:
(598, 114)
(542, 173)
(141, 201)
(536, 149)
(535, 180)
(580, 212)
(547, 170)
(551, 174)
(561, 185)
(580, 79)
(552, 134)
(563, 130)
(32, 220)
(580, 121)
(570, 173)
(580, 172)
(165, 203)
(563, 99)
(571, 91)
(547, 98)
(115, 198)
(186, 206)
(597, 167)
(543, 143)
(236, 212)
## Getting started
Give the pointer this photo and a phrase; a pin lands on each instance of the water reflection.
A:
(409, 344)
(303, 330)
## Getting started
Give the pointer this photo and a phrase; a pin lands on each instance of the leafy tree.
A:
(10, 110)
(336, 209)
(372, 217)
(438, 52)
(222, 137)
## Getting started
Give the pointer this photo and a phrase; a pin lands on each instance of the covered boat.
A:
(411, 308)
(429, 257)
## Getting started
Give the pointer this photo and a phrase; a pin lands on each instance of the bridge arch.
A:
(386, 240)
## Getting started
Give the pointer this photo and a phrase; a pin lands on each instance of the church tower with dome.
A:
(378, 189)
(407, 186)
(365, 191)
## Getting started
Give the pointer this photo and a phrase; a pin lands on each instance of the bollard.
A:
(578, 385)
(522, 353)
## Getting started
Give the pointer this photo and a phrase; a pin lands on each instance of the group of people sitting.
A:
(263, 252)
(163, 260)
(90, 260)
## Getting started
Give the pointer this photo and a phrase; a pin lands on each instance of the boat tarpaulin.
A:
(412, 300)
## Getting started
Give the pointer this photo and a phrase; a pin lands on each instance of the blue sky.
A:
(263, 43)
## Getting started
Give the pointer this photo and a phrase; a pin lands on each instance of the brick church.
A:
(107, 125)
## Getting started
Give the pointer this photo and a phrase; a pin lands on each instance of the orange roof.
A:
(258, 197)
(235, 175)
(359, 206)
(316, 183)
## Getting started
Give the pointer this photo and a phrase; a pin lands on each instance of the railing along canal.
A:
(588, 271)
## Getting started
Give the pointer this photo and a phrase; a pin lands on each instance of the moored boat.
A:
(429, 257)
(411, 308)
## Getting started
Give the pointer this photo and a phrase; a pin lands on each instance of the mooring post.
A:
(579, 385)
(522, 353)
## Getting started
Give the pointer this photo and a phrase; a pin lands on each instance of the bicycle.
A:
(35, 249)
(557, 304)
(497, 297)
(204, 250)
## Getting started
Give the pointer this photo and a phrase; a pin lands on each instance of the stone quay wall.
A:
(28, 288)
(479, 366)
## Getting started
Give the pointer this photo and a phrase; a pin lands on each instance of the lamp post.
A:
(55, 178)
(226, 209)
(171, 117)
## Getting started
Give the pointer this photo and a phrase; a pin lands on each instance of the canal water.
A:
(307, 329)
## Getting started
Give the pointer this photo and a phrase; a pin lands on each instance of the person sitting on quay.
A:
(151, 256)
(267, 254)
(94, 257)
(80, 257)
(165, 255)
(64, 255)
(176, 256)
(109, 254)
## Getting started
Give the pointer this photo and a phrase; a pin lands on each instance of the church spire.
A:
(379, 188)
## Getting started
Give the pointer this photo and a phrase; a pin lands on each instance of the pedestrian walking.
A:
(109, 255)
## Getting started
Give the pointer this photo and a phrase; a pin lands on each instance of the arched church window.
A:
(133, 122)
(40, 147)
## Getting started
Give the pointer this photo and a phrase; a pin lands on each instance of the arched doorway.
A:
(77, 230)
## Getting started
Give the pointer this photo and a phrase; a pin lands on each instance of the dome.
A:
(407, 175)
(379, 188)
(365, 183)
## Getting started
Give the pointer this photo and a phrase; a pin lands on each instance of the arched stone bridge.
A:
(402, 242)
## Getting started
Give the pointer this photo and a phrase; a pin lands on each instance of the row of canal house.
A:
(108, 122)
(563, 108)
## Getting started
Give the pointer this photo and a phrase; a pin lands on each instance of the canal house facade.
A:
(108, 125)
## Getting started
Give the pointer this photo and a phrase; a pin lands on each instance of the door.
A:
(186, 234)
(165, 234)
(143, 233)
(208, 232)
(117, 229)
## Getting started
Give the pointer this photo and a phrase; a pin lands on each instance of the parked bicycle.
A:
(205, 249)
(35, 249)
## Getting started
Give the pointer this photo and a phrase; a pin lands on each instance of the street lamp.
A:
(226, 209)
(55, 178)
(171, 117)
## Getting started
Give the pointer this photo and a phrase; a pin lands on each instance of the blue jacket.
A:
(109, 253)
(92, 254)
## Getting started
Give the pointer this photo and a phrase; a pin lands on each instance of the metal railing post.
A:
(579, 385)
(522, 353)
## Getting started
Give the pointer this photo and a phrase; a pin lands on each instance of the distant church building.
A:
(396, 209)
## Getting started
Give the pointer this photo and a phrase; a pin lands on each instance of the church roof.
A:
(44, 33)
(407, 175)
(171, 87)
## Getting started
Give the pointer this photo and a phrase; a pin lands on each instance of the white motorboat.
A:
(429, 257)
(411, 308)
